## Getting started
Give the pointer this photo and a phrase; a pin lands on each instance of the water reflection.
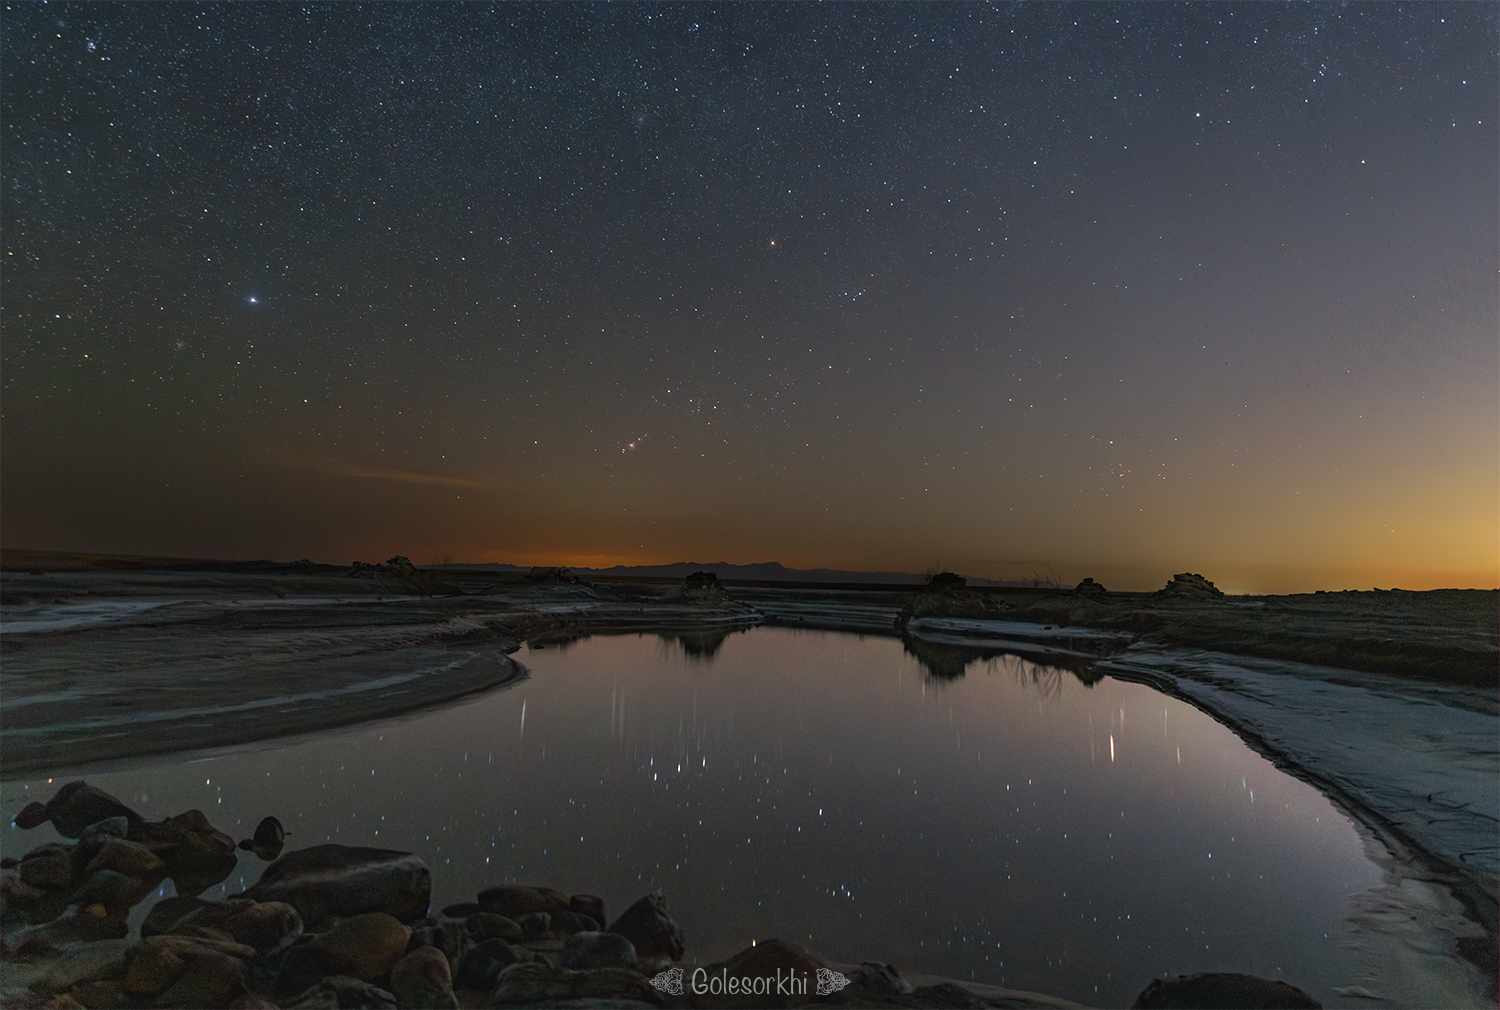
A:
(696, 643)
(1014, 827)
(950, 661)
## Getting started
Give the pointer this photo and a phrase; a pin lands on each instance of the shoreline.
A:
(284, 653)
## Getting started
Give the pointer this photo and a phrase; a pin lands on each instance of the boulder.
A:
(535, 925)
(516, 900)
(18, 898)
(365, 946)
(582, 951)
(264, 925)
(186, 971)
(73, 808)
(99, 993)
(62, 931)
(293, 978)
(213, 979)
(589, 905)
(567, 922)
(449, 937)
(485, 925)
(47, 866)
(650, 928)
(115, 891)
(166, 912)
(197, 855)
(91, 962)
(1221, 991)
(341, 991)
(480, 968)
(531, 983)
(130, 858)
(1088, 587)
(110, 827)
(423, 980)
(328, 881)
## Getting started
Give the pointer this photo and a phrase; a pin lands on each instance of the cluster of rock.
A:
(701, 588)
(60, 894)
(552, 576)
(335, 926)
(1187, 587)
(948, 595)
(398, 569)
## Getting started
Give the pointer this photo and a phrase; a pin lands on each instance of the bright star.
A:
(254, 300)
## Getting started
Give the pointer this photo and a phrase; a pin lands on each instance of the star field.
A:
(1133, 287)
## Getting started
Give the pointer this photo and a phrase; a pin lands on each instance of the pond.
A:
(1012, 826)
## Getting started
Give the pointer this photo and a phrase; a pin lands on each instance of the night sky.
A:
(1111, 290)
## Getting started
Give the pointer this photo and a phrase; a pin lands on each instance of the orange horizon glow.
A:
(1233, 578)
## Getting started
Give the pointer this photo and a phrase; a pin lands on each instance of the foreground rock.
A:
(64, 894)
(1223, 989)
(334, 881)
(74, 808)
(333, 926)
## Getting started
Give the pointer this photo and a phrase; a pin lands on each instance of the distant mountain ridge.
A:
(766, 571)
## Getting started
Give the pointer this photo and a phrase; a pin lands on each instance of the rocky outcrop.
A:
(948, 595)
(1187, 587)
(63, 893)
(703, 587)
(1088, 587)
(651, 930)
(399, 574)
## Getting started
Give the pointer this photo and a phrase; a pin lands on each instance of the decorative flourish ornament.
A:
(670, 982)
(829, 981)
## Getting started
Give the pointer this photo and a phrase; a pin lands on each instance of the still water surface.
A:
(1014, 826)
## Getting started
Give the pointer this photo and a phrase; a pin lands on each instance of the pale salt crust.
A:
(1423, 758)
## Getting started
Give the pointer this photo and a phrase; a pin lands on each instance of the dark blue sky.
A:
(1134, 287)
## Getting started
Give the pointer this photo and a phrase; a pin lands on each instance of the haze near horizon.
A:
(1110, 291)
